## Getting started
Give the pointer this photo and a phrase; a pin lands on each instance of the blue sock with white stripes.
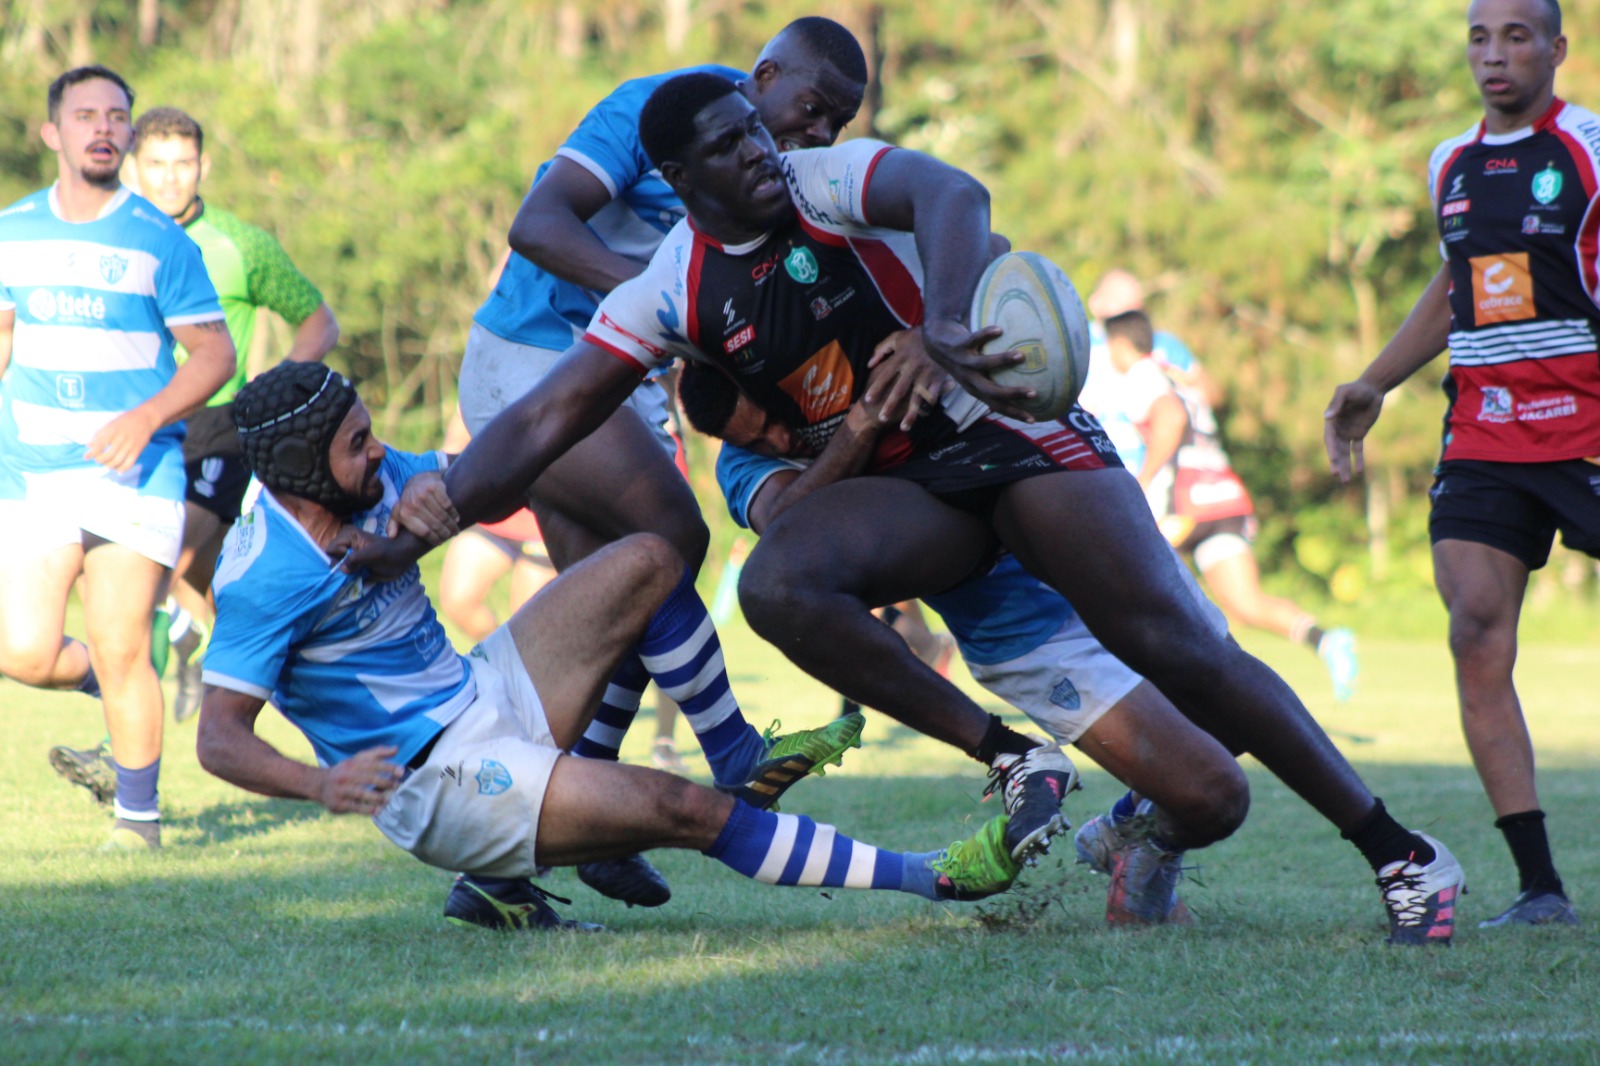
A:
(791, 849)
(618, 707)
(684, 657)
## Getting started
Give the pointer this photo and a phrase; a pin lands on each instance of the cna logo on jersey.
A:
(1547, 184)
(802, 266)
(1502, 288)
(1492, 167)
(821, 386)
(64, 308)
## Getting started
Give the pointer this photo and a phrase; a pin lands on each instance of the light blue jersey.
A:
(95, 304)
(354, 663)
(530, 306)
(995, 617)
(1169, 351)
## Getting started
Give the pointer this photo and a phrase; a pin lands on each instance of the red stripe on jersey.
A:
(866, 182)
(1438, 193)
(697, 254)
(611, 349)
(1580, 158)
(1066, 446)
(1588, 248)
(834, 239)
(895, 283)
(893, 448)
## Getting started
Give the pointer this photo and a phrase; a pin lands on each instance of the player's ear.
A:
(672, 174)
(50, 133)
(205, 165)
(767, 71)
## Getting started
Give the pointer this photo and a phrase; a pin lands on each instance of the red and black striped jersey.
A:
(1519, 227)
(793, 316)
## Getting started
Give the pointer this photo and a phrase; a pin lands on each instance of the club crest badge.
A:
(802, 266)
(1547, 184)
(493, 778)
(112, 267)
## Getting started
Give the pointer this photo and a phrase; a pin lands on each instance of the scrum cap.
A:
(286, 420)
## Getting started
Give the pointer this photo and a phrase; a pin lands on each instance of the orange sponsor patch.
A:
(823, 385)
(1502, 288)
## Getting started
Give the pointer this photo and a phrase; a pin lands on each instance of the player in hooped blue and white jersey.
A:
(96, 286)
(462, 761)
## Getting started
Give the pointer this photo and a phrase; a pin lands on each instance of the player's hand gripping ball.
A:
(1030, 298)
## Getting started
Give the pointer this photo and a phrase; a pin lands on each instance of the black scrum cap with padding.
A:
(286, 420)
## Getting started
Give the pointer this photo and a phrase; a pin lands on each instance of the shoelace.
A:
(1407, 910)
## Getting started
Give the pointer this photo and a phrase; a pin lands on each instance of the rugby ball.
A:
(1035, 305)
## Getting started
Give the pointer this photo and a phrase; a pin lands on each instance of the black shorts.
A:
(1518, 507)
(1242, 526)
(968, 469)
(214, 462)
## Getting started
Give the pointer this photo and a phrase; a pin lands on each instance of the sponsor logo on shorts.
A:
(1064, 694)
(1496, 404)
(802, 266)
(1547, 184)
(210, 473)
(493, 778)
(1502, 288)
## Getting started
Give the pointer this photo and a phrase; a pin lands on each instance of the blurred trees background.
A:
(1262, 166)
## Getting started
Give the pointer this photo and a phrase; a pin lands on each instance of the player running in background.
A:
(778, 276)
(1202, 506)
(1025, 644)
(97, 286)
(1517, 199)
(462, 760)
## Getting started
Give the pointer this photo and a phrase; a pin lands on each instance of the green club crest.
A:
(1547, 184)
(802, 266)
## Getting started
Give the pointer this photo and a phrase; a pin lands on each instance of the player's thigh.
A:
(573, 634)
(595, 808)
(36, 576)
(472, 564)
(120, 589)
(1482, 586)
(880, 539)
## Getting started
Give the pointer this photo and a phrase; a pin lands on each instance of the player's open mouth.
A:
(767, 184)
(1496, 85)
(102, 153)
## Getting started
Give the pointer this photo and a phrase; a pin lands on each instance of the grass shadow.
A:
(224, 822)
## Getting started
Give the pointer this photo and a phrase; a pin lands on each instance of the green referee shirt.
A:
(250, 269)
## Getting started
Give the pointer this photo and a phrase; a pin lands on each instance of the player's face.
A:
(750, 427)
(93, 132)
(1512, 55)
(355, 456)
(169, 170)
(803, 103)
(731, 179)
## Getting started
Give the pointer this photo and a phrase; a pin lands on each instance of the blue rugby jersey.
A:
(531, 306)
(95, 303)
(354, 663)
(994, 617)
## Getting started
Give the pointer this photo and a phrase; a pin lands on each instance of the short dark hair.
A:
(827, 40)
(76, 76)
(707, 396)
(1133, 327)
(1552, 18)
(168, 122)
(666, 124)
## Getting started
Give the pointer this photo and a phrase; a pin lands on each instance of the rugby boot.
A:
(978, 866)
(1421, 900)
(1144, 886)
(1099, 839)
(792, 756)
(1536, 906)
(1033, 786)
(507, 904)
(186, 701)
(88, 768)
(632, 880)
(128, 835)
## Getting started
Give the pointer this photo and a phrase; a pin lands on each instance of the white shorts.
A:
(1067, 683)
(61, 507)
(495, 373)
(474, 805)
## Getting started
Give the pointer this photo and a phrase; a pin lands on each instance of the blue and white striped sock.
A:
(137, 799)
(791, 849)
(618, 707)
(684, 657)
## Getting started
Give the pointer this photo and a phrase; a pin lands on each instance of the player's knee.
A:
(688, 535)
(1481, 638)
(30, 664)
(692, 815)
(651, 565)
(1226, 801)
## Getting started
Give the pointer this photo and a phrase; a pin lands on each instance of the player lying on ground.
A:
(1024, 643)
(778, 276)
(461, 760)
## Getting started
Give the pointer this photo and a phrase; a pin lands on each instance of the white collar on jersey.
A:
(123, 192)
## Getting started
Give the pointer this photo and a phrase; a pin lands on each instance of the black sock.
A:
(1314, 637)
(1001, 739)
(1530, 847)
(1382, 840)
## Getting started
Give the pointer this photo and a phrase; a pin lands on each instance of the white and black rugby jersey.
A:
(1519, 226)
(793, 316)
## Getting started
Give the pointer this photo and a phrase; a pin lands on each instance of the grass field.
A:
(267, 931)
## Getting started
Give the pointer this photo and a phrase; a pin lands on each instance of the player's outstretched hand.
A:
(959, 350)
(425, 510)
(362, 783)
(1351, 413)
(119, 442)
(905, 381)
(385, 558)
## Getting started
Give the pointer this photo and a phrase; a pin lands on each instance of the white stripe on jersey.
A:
(1489, 345)
(84, 349)
(190, 320)
(64, 263)
(52, 427)
(394, 692)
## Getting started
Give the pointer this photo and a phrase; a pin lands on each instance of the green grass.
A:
(269, 932)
